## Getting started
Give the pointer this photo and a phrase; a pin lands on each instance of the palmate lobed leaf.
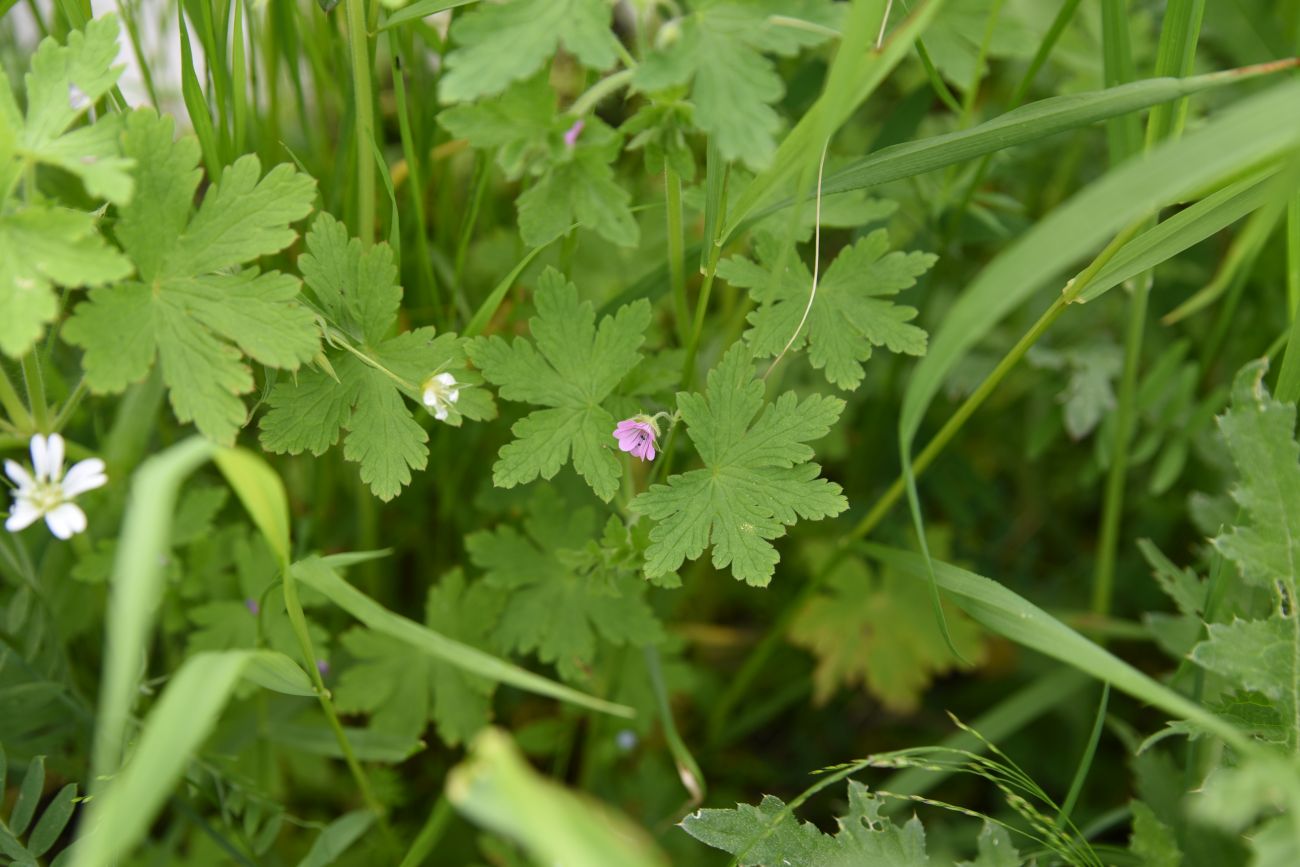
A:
(365, 391)
(41, 247)
(879, 632)
(757, 478)
(500, 43)
(556, 608)
(768, 835)
(719, 51)
(403, 691)
(571, 368)
(188, 309)
(575, 183)
(851, 314)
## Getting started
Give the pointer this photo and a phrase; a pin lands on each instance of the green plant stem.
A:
(1059, 23)
(701, 309)
(688, 770)
(598, 91)
(414, 178)
(434, 827)
(676, 251)
(35, 384)
(70, 405)
(13, 405)
(1177, 50)
(1125, 416)
(363, 102)
(299, 623)
(1085, 762)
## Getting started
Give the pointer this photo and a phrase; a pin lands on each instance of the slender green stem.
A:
(363, 102)
(414, 179)
(35, 383)
(1085, 762)
(1072, 291)
(1125, 416)
(13, 405)
(701, 308)
(1177, 49)
(595, 94)
(299, 623)
(434, 827)
(1293, 254)
(1063, 18)
(676, 250)
(688, 770)
(70, 405)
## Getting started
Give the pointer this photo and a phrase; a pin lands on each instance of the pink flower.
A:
(572, 133)
(637, 435)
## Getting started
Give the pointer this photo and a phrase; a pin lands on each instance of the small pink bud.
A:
(636, 435)
(571, 135)
(252, 606)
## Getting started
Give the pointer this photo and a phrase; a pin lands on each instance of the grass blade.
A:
(1254, 131)
(135, 589)
(1032, 122)
(316, 574)
(497, 788)
(1017, 619)
(183, 718)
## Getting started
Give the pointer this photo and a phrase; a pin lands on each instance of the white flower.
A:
(49, 493)
(440, 392)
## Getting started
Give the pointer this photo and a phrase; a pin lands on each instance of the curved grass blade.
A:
(497, 788)
(185, 715)
(316, 574)
(1017, 619)
(1029, 123)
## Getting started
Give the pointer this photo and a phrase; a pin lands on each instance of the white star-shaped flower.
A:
(440, 392)
(48, 493)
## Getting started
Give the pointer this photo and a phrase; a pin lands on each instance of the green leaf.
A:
(498, 43)
(337, 838)
(1088, 393)
(29, 795)
(364, 385)
(995, 848)
(880, 633)
(402, 691)
(954, 39)
(572, 369)
(719, 50)
(42, 247)
(498, 789)
(580, 190)
(851, 313)
(768, 836)
(757, 479)
(52, 822)
(1152, 841)
(1254, 654)
(199, 324)
(575, 183)
(319, 575)
(1260, 434)
(64, 81)
(556, 608)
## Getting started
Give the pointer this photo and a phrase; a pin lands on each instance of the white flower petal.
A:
(40, 461)
(430, 397)
(19, 474)
(54, 456)
(84, 476)
(446, 379)
(453, 395)
(440, 413)
(22, 515)
(66, 521)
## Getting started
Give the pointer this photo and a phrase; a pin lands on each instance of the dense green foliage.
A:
(751, 432)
